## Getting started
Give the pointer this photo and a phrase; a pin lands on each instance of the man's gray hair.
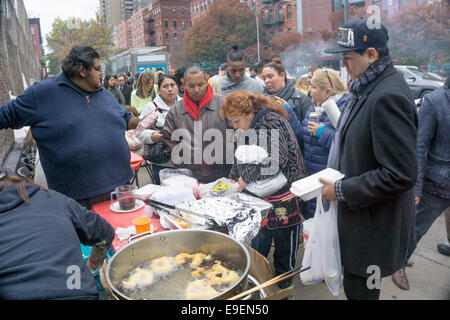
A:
(194, 70)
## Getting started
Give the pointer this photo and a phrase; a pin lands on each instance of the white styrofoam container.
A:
(309, 188)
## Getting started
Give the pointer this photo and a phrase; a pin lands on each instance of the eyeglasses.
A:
(99, 69)
(329, 79)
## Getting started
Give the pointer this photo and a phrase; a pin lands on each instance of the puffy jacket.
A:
(317, 149)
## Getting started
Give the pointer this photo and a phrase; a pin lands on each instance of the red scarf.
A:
(191, 106)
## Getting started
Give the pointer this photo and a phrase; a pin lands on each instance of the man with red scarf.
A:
(195, 132)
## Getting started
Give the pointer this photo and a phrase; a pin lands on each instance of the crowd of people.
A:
(390, 155)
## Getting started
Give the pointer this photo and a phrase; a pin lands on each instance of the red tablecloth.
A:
(135, 161)
(122, 220)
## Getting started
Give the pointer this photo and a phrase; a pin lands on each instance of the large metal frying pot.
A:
(171, 243)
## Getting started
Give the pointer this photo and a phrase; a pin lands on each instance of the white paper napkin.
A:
(125, 233)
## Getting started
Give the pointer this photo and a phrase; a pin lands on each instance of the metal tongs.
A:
(165, 207)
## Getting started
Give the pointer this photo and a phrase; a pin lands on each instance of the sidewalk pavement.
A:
(429, 277)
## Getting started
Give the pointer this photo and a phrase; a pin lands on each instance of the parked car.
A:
(419, 82)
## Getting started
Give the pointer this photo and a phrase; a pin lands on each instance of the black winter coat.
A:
(378, 157)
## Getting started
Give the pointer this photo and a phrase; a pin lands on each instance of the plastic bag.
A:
(322, 252)
(180, 178)
(267, 187)
(218, 188)
(250, 154)
(172, 195)
(134, 143)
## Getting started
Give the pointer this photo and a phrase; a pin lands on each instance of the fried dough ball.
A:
(197, 259)
(140, 277)
(198, 272)
(199, 289)
(219, 274)
(184, 224)
(162, 265)
(181, 258)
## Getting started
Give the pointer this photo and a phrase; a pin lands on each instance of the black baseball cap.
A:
(223, 66)
(360, 34)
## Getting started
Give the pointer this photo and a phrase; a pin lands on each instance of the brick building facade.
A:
(163, 23)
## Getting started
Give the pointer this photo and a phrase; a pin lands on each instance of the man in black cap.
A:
(375, 147)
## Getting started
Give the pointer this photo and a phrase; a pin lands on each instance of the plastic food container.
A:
(309, 188)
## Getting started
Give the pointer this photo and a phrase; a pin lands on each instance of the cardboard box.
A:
(261, 271)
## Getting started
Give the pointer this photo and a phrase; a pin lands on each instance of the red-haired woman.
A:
(268, 119)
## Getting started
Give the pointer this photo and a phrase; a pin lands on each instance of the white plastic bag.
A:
(267, 187)
(179, 177)
(218, 188)
(311, 258)
(331, 253)
(172, 195)
(322, 250)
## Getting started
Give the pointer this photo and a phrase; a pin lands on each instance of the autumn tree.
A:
(212, 36)
(337, 19)
(68, 33)
(53, 64)
(422, 35)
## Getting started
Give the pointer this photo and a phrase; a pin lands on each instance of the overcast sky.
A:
(49, 10)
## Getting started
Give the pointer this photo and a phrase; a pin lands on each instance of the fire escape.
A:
(150, 33)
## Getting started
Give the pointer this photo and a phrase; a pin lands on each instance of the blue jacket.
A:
(317, 149)
(40, 245)
(433, 144)
(80, 136)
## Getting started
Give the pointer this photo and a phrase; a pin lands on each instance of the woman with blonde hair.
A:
(268, 118)
(302, 84)
(326, 87)
(144, 92)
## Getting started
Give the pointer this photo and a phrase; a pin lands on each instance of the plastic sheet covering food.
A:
(241, 219)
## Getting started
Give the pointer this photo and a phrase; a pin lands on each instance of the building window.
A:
(183, 24)
(263, 17)
(280, 14)
(289, 12)
(183, 12)
(174, 12)
(175, 36)
(174, 24)
(270, 15)
(166, 23)
(167, 36)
